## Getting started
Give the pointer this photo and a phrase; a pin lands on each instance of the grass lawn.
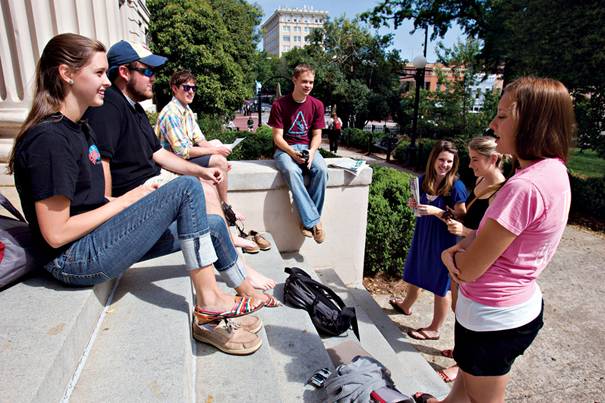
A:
(586, 163)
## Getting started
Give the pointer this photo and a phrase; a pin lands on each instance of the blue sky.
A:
(408, 45)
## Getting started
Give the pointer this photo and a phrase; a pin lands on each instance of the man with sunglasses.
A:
(179, 132)
(130, 151)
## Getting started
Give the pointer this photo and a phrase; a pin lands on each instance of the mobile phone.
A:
(319, 378)
(448, 214)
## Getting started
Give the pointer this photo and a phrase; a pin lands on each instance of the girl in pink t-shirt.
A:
(499, 308)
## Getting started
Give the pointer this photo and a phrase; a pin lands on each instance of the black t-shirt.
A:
(58, 157)
(126, 138)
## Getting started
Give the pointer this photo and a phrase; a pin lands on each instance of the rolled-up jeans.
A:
(309, 200)
(167, 220)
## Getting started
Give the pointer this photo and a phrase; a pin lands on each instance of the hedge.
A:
(390, 222)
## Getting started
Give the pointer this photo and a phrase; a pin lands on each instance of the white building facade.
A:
(30, 24)
(288, 28)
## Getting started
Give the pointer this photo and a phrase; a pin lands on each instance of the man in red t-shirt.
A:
(297, 120)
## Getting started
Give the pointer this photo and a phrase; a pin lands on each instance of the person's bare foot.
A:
(424, 334)
(222, 302)
(259, 281)
(240, 242)
(449, 374)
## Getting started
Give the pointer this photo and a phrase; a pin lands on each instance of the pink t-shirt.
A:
(297, 119)
(533, 205)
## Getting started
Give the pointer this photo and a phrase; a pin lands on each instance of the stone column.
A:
(30, 24)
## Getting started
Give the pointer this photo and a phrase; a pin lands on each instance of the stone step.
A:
(292, 351)
(44, 329)
(385, 342)
(143, 350)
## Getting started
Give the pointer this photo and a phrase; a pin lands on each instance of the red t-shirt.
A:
(297, 119)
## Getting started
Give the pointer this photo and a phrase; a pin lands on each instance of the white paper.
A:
(349, 164)
(415, 190)
(235, 143)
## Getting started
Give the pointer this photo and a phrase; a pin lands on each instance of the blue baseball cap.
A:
(125, 52)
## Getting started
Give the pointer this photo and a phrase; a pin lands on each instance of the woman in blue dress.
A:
(441, 194)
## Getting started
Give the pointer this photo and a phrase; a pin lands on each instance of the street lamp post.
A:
(419, 63)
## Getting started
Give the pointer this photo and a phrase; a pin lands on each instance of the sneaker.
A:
(227, 336)
(319, 234)
(306, 232)
(250, 323)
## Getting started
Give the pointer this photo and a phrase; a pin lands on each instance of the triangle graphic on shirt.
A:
(299, 126)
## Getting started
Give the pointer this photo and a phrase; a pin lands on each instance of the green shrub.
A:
(358, 138)
(390, 222)
(258, 145)
(588, 196)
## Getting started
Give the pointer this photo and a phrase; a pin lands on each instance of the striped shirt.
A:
(177, 128)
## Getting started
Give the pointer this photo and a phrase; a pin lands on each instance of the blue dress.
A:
(423, 266)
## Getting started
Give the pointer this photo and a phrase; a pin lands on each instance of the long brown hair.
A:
(429, 184)
(545, 118)
(72, 50)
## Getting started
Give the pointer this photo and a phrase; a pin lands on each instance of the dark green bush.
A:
(390, 222)
(258, 145)
(358, 138)
(588, 196)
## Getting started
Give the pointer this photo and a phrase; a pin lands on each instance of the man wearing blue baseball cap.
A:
(133, 156)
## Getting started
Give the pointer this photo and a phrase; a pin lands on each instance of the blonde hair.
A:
(485, 146)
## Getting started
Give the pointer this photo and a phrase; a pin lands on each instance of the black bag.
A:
(326, 309)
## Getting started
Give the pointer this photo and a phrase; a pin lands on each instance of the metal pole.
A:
(260, 117)
(416, 105)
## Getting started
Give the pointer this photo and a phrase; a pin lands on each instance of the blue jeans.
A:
(309, 200)
(169, 219)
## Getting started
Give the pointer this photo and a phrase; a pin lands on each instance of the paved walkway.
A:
(565, 363)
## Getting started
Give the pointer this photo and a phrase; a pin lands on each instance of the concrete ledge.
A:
(259, 192)
(44, 328)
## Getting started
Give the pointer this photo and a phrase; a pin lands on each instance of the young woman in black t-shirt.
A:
(486, 164)
(86, 239)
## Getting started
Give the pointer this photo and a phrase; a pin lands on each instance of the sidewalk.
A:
(565, 362)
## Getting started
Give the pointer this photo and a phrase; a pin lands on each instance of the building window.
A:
(306, 29)
(286, 28)
(296, 38)
(297, 29)
(286, 48)
(285, 38)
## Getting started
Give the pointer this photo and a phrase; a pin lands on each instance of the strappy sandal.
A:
(271, 301)
(243, 306)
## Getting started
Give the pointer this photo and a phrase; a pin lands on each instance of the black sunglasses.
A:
(146, 71)
(187, 87)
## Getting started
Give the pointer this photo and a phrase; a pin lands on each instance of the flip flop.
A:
(445, 377)
(394, 303)
(242, 306)
(271, 302)
(420, 397)
(419, 334)
(448, 353)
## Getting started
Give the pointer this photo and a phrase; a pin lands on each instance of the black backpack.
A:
(326, 309)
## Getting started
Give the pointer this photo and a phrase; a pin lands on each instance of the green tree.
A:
(552, 38)
(354, 70)
(216, 40)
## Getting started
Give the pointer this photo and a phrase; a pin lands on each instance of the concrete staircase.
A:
(130, 341)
